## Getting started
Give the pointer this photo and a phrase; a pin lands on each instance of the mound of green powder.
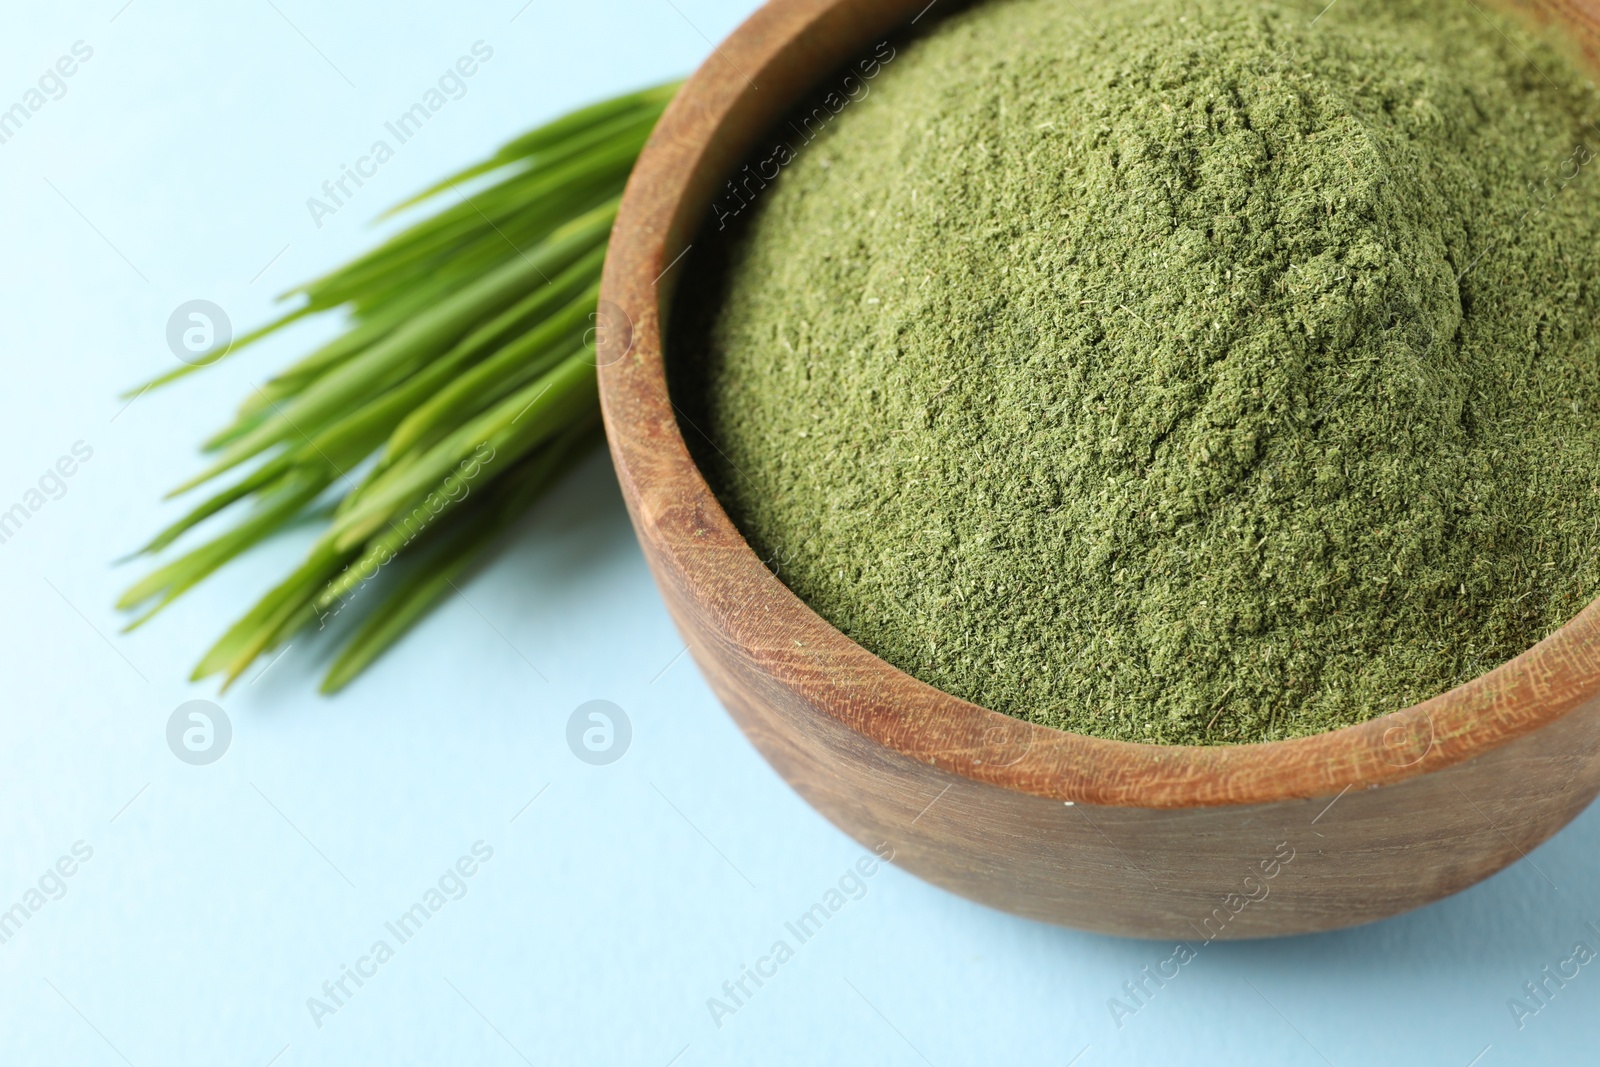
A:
(1188, 371)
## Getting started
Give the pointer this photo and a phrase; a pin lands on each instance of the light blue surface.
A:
(219, 898)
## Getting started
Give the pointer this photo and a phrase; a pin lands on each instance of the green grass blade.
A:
(242, 342)
(397, 355)
(436, 575)
(478, 388)
(463, 338)
(520, 422)
(647, 102)
(267, 620)
(187, 570)
(261, 480)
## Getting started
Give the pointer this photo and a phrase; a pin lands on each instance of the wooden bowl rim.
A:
(667, 197)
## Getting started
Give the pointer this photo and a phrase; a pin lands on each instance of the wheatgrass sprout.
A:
(463, 386)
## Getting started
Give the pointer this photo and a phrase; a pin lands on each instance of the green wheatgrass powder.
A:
(1187, 371)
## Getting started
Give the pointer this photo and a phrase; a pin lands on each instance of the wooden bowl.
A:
(1145, 840)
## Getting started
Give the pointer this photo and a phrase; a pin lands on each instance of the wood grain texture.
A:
(1141, 840)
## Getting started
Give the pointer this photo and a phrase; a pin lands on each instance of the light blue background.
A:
(220, 898)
